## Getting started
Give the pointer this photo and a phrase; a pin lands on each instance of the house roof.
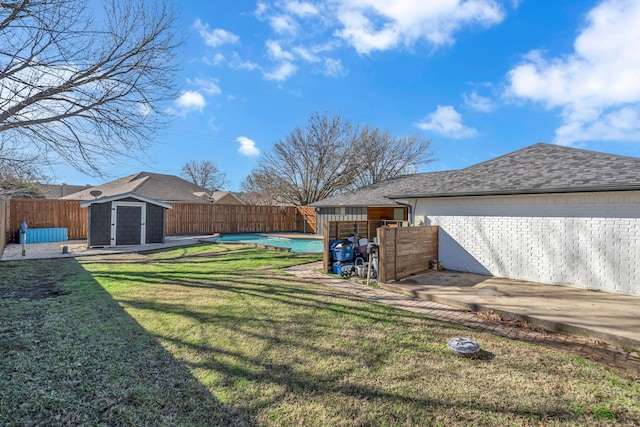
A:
(88, 203)
(168, 188)
(55, 191)
(372, 195)
(219, 195)
(539, 168)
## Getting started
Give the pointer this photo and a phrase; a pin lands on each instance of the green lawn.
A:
(218, 335)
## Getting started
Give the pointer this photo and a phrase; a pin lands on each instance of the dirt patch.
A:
(37, 289)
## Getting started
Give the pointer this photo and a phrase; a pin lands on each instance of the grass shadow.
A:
(72, 356)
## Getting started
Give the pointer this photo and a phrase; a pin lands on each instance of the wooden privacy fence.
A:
(307, 219)
(405, 251)
(47, 213)
(4, 217)
(184, 218)
(199, 218)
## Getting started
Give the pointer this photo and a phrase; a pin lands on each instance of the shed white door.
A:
(128, 223)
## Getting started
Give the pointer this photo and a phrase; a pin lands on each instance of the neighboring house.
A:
(166, 188)
(545, 213)
(226, 198)
(57, 191)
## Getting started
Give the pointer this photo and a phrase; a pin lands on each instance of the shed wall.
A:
(99, 224)
(155, 223)
(586, 240)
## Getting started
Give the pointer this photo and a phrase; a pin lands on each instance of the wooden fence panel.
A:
(47, 213)
(306, 219)
(4, 219)
(199, 218)
(406, 250)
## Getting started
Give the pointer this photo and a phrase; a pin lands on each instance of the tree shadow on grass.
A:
(77, 358)
(259, 332)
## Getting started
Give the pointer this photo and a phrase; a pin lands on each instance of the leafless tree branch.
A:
(84, 90)
(204, 173)
(328, 156)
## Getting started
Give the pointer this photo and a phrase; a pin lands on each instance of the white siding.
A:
(589, 240)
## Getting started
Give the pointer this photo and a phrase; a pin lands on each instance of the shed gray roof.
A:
(539, 168)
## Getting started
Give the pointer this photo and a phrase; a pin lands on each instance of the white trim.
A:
(143, 220)
(125, 196)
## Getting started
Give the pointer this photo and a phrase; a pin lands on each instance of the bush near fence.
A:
(182, 219)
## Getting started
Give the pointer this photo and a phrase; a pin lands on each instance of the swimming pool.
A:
(296, 244)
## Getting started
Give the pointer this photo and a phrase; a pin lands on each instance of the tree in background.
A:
(83, 89)
(204, 173)
(18, 175)
(327, 156)
(312, 163)
(381, 156)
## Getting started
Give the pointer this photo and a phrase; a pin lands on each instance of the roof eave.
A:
(517, 192)
(117, 197)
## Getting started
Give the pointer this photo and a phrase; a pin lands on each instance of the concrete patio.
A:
(612, 318)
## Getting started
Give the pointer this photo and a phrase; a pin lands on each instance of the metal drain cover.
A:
(463, 346)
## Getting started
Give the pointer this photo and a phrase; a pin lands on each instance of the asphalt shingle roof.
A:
(540, 168)
(168, 188)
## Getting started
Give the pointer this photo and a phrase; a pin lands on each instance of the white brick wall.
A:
(589, 240)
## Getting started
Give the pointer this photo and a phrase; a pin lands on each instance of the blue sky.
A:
(480, 78)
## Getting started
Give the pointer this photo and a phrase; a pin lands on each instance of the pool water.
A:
(296, 245)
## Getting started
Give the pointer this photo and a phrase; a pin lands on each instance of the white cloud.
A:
(477, 102)
(365, 25)
(216, 37)
(190, 100)
(261, 9)
(283, 24)
(208, 86)
(370, 25)
(333, 68)
(276, 52)
(306, 54)
(247, 147)
(238, 63)
(618, 125)
(217, 59)
(145, 108)
(447, 122)
(302, 9)
(282, 72)
(597, 86)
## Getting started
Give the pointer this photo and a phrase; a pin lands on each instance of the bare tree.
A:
(83, 89)
(312, 163)
(329, 156)
(382, 156)
(18, 174)
(13, 187)
(204, 173)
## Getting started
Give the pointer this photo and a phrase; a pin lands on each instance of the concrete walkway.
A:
(459, 309)
(78, 248)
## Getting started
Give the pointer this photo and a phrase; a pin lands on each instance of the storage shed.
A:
(125, 219)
